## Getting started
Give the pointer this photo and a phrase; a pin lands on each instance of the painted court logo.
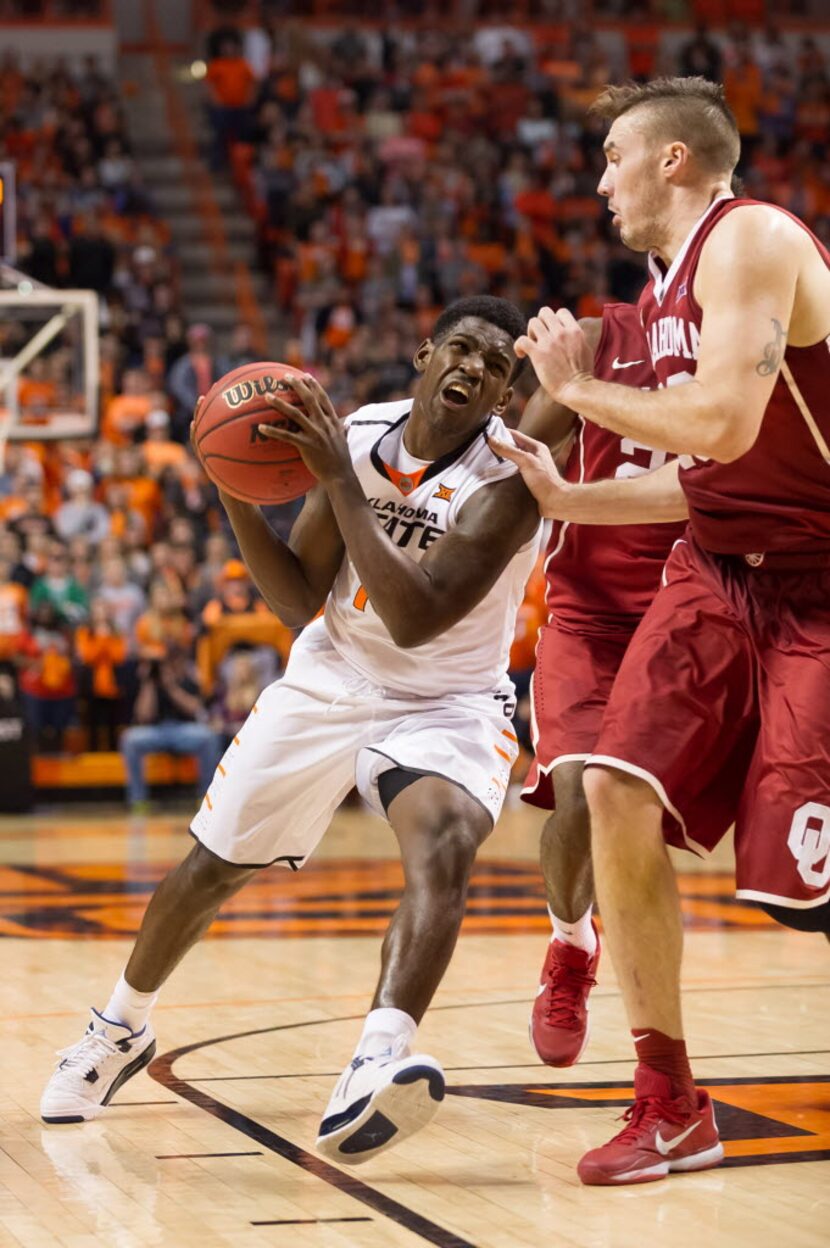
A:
(762, 1122)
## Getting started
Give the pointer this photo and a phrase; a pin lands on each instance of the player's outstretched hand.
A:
(315, 428)
(558, 350)
(540, 474)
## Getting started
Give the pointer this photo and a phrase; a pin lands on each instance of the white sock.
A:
(128, 1006)
(383, 1028)
(580, 933)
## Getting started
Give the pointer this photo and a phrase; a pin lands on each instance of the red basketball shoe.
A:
(664, 1133)
(559, 1022)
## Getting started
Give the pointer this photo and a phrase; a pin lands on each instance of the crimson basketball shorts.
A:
(571, 685)
(722, 704)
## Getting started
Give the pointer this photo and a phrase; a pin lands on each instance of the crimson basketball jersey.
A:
(601, 578)
(777, 495)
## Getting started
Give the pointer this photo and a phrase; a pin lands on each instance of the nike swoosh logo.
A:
(618, 363)
(664, 1149)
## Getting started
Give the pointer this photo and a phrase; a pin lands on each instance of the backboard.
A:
(49, 362)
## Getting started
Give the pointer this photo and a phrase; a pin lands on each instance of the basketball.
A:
(236, 456)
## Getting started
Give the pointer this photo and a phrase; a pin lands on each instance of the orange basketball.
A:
(235, 455)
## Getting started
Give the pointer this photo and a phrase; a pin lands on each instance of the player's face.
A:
(636, 192)
(466, 374)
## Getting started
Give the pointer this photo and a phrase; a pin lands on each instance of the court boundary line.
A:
(161, 1070)
(605, 1061)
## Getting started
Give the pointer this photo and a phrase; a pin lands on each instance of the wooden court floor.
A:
(215, 1144)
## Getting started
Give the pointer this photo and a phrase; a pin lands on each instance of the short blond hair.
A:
(687, 110)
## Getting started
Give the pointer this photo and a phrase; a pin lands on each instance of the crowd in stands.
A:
(390, 171)
(124, 613)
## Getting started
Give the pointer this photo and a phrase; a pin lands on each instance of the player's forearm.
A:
(548, 421)
(653, 498)
(277, 572)
(688, 419)
(399, 590)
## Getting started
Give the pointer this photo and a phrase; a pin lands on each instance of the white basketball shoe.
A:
(91, 1071)
(377, 1102)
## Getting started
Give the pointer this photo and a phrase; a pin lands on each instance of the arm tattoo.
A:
(770, 361)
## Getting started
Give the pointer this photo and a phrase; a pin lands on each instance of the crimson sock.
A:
(669, 1057)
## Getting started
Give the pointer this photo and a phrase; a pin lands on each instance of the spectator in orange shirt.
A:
(744, 86)
(642, 34)
(127, 411)
(37, 391)
(164, 625)
(231, 83)
(142, 492)
(47, 682)
(101, 650)
(159, 451)
(235, 595)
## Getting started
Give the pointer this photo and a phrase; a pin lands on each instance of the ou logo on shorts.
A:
(809, 843)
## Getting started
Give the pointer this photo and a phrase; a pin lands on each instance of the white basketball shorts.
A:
(323, 728)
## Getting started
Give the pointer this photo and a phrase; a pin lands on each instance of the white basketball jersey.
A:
(416, 507)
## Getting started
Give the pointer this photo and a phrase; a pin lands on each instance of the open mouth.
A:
(457, 394)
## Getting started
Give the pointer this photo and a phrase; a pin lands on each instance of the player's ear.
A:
(675, 159)
(423, 355)
(504, 402)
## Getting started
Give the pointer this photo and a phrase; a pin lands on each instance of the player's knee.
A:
(815, 919)
(449, 852)
(603, 794)
(615, 798)
(209, 877)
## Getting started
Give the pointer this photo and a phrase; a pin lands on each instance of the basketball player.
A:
(419, 541)
(600, 580)
(721, 709)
